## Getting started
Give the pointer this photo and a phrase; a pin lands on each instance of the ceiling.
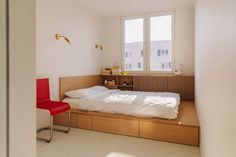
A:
(123, 7)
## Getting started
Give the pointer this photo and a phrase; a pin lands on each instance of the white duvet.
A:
(141, 104)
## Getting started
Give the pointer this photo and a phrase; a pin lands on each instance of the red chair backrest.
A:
(43, 93)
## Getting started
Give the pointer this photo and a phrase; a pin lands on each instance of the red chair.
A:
(54, 107)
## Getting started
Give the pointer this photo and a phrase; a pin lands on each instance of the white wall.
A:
(216, 75)
(3, 104)
(22, 79)
(57, 58)
(184, 37)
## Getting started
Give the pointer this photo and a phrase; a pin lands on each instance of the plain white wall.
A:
(3, 91)
(184, 37)
(57, 58)
(216, 76)
(22, 79)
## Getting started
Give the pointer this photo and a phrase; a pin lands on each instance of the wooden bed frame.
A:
(184, 130)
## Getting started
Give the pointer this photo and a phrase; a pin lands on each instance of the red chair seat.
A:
(54, 107)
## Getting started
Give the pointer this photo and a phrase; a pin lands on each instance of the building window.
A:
(166, 52)
(130, 66)
(139, 65)
(158, 52)
(160, 43)
(126, 54)
(141, 53)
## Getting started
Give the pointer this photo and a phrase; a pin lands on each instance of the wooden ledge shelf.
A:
(184, 85)
(184, 129)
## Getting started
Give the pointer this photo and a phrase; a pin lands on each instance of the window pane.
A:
(161, 43)
(133, 48)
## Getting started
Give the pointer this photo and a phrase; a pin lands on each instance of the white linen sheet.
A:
(141, 104)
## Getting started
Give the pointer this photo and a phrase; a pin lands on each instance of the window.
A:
(134, 43)
(141, 53)
(159, 52)
(126, 54)
(160, 38)
(139, 65)
(130, 66)
(154, 42)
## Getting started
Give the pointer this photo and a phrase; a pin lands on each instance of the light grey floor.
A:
(83, 143)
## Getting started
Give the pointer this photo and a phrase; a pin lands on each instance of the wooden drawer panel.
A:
(77, 120)
(171, 133)
(61, 119)
(115, 125)
(81, 121)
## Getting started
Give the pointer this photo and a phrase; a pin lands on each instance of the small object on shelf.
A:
(124, 83)
(106, 71)
(111, 83)
(105, 82)
(178, 70)
(116, 70)
(124, 73)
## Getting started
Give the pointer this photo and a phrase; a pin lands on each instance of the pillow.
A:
(99, 88)
(80, 93)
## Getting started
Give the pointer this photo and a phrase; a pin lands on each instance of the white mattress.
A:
(141, 104)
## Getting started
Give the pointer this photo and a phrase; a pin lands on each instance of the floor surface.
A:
(84, 143)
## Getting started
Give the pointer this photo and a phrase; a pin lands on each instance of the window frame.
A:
(146, 42)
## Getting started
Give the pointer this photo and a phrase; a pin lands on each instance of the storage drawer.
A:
(115, 125)
(77, 120)
(172, 133)
(81, 121)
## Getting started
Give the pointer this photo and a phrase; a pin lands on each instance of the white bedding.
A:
(142, 104)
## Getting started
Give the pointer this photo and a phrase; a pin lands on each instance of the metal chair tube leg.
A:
(68, 125)
(68, 121)
(51, 128)
(46, 128)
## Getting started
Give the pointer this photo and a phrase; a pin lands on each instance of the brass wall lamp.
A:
(98, 46)
(58, 36)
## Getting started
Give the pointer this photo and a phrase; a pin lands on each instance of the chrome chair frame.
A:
(53, 129)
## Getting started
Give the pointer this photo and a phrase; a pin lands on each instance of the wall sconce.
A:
(98, 46)
(59, 36)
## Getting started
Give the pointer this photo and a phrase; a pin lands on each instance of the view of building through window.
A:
(160, 33)
(134, 44)
(161, 43)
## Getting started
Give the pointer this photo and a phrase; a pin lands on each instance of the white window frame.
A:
(146, 40)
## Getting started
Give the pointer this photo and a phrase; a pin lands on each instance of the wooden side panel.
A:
(150, 83)
(115, 125)
(77, 120)
(184, 85)
(171, 133)
(77, 82)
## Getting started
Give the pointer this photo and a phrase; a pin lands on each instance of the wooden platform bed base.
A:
(183, 130)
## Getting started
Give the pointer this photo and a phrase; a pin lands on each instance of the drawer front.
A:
(61, 119)
(81, 121)
(114, 125)
(171, 133)
(77, 120)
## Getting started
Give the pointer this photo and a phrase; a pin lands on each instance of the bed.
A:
(133, 103)
(175, 122)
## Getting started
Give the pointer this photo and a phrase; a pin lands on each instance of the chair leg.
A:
(46, 128)
(51, 129)
(68, 129)
(68, 125)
